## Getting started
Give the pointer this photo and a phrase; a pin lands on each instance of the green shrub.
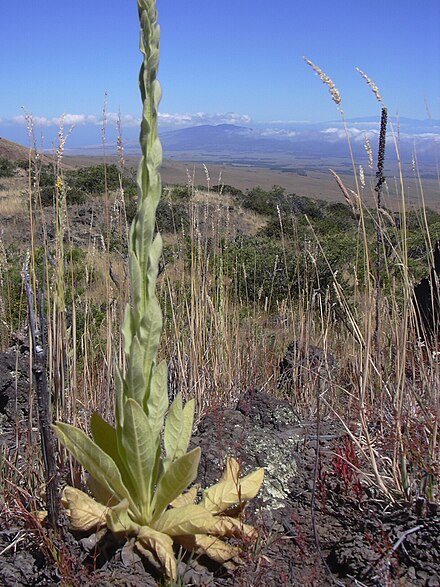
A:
(228, 189)
(94, 180)
(46, 184)
(7, 168)
(171, 217)
(180, 192)
(276, 202)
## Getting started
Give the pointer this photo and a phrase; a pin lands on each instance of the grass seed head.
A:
(372, 85)
(335, 94)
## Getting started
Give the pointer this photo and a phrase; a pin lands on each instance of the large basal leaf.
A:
(99, 464)
(211, 546)
(105, 437)
(119, 520)
(232, 470)
(227, 526)
(161, 546)
(225, 494)
(104, 434)
(179, 475)
(188, 498)
(190, 519)
(100, 493)
(141, 449)
(84, 512)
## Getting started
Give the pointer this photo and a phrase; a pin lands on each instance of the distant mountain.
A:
(275, 142)
(317, 140)
(232, 140)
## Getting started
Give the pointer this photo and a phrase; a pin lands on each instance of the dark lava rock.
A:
(14, 392)
(261, 432)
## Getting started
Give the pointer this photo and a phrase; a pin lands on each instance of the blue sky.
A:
(221, 61)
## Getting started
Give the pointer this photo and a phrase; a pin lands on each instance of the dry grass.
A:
(12, 198)
(219, 343)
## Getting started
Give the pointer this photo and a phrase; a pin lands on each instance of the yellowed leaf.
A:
(41, 515)
(189, 519)
(211, 546)
(84, 512)
(226, 526)
(161, 546)
(187, 498)
(232, 470)
(119, 520)
(225, 494)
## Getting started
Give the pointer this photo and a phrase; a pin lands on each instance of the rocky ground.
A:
(318, 523)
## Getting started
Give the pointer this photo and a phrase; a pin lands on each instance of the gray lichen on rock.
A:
(275, 454)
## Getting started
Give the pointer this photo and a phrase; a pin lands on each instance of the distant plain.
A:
(305, 176)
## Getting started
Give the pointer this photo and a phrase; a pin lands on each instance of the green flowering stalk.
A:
(139, 489)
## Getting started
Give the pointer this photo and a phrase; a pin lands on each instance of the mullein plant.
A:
(140, 468)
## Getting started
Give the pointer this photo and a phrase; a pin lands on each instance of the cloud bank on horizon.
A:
(16, 128)
(128, 120)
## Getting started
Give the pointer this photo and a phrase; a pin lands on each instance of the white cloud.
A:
(199, 118)
(428, 136)
(278, 132)
(18, 119)
(76, 119)
(288, 122)
(354, 133)
(129, 120)
(68, 119)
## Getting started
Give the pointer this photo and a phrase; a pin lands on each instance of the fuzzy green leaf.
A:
(98, 463)
(179, 475)
(173, 427)
(119, 400)
(136, 385)
(188, 421)
(150, 329)
(156, 404)
(127, 329)
(178, 428)
(155, 254)
(141, 448)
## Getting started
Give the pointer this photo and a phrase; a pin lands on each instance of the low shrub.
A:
(7, 168)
